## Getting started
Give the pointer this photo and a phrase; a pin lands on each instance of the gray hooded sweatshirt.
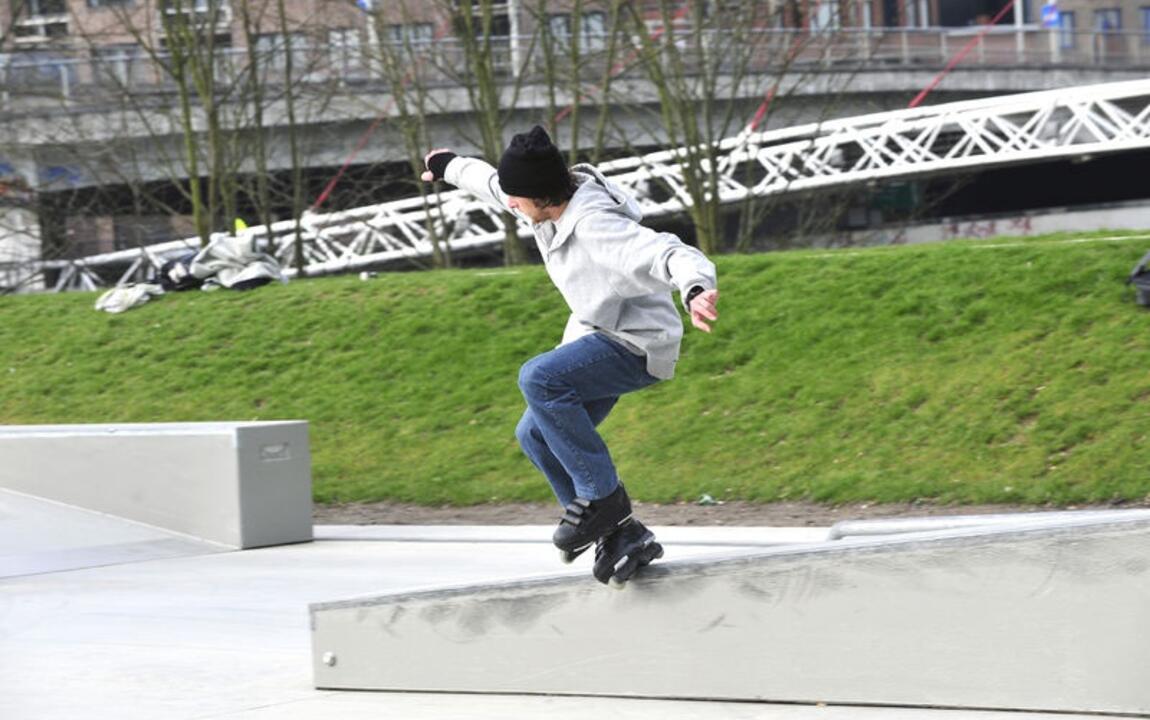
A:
(615, 274)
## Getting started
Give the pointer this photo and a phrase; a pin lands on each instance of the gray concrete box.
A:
(1045, 615)
(242, 484)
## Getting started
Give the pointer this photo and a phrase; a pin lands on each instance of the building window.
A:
(273, 47)
(417, 34)
(1146, 26)
(592, 30)
(39, 20)
(345, 52)
(41, 8)
(918, 14)
(1108, 20)
(559, 26)
(1066, 27)
(825, 16)
(123, 64)
(108, 3)
(421, 33)
(190, 5)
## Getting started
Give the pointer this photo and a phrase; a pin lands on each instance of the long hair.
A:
(559, 197)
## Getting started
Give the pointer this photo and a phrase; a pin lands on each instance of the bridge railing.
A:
(32, 76)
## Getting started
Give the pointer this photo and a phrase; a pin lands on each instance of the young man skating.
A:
(617, 277)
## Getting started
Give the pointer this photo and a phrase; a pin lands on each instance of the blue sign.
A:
(61, 176)
(1050, 15)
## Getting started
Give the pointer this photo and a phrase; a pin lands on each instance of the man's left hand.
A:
(703, 309)
(427, 175)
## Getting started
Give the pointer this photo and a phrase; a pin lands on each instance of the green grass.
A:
(954, 373)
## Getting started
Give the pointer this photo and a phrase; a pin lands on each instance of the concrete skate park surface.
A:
(201, 633)
(106, 618)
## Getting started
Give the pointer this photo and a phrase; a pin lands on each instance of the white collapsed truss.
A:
(938, 139)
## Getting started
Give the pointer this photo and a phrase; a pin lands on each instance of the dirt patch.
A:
(791, 514)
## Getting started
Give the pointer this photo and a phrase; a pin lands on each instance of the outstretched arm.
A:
(470, 174)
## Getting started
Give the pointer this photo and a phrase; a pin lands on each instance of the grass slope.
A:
(964, 372)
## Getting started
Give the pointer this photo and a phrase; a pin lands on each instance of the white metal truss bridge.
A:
(939, 139)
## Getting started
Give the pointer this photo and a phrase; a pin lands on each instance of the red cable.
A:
(439, 33)
(961, 54)
(621, 65)
(347, 163)
(761, 112)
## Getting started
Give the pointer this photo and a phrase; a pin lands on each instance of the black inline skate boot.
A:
(585, 521)
(619, 555)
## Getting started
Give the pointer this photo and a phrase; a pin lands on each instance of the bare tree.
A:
(406, 64)
(225, 125)
(193, 112)
(699, 64)
(486, 69)
(581, 51)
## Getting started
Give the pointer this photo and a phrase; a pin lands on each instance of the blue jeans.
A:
(569, 391)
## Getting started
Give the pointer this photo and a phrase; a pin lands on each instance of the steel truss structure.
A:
(1027, 128)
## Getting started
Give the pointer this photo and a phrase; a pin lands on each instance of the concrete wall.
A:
(1119, 216)
(240, 484)
(1043, 614)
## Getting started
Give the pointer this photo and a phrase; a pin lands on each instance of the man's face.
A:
(529, 208)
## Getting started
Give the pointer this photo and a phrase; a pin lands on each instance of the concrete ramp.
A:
(42, 536)
(1046, 613)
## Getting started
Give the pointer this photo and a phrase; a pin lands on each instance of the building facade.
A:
(101, 25)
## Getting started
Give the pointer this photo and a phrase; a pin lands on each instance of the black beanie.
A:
(532, 166)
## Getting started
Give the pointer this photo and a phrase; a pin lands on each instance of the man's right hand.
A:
(428, 175)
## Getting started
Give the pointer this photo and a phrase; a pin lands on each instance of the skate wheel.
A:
(654, 553)
(624, 571)
(568, 556)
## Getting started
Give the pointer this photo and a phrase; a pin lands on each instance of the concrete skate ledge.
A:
(1033, 615)
(241, 484)
(722, 536)
(896, 526)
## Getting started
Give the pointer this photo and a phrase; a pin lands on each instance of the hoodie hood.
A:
(595, 193)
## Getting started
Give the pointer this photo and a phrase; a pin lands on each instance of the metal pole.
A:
(513, 12)
(373, 52)
(5, 96)
(1020, 36)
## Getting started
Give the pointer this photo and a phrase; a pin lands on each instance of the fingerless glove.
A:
(437, 163)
